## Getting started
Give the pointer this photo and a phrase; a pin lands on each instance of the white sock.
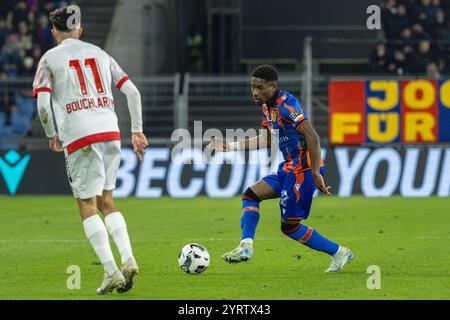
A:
(118, 230)
(247, 242)
(97, 235)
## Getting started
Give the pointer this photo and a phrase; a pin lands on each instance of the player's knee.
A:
(88, 207)
(88, 203)
(106, 205)
(249, 194)
(290, 228)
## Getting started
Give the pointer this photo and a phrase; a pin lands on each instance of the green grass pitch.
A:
(409, 239)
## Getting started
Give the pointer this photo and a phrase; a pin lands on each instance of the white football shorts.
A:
(93, 168)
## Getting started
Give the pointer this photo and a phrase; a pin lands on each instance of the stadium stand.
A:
(416, 38)
(24, 36)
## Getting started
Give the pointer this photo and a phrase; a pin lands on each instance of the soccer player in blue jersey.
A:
(297, 177)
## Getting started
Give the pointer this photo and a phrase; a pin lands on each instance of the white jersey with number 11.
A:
(78, 75)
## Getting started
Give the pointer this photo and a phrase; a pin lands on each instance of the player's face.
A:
(262, 91)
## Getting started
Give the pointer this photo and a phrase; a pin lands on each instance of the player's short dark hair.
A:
(265, 72)
(59, 18)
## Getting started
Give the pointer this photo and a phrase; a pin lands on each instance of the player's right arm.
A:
(124, 84)
(261, 141)
(42, 88)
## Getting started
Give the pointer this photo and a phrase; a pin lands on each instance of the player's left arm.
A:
(312, 140)
(124, 84)
(294, 114)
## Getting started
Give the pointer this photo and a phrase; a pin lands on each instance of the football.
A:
(193, 258)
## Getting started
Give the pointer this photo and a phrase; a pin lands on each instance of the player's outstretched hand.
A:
(139, 141)
(217, 145)
(55, 144)
(320, 184)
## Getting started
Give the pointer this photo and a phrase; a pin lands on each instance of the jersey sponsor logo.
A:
(296, 116)
(12, 168)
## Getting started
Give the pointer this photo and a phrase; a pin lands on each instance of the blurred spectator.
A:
(398, 63)
(433, 71)
(4, 32)
(12, 54)
(395, 17)
(42, 35)
(410, 8)
(25, 39)
(378, 61)
(22, 43)
(408, 41)
(18, 14)
(36, 55)
(442, 27)
(426, 15)
(419, 31)
(426, 54)
(418, 37)
(420, 59)
(28, 67)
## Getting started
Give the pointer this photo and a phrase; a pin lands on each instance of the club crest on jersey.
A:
(273, 115)
(296, 116)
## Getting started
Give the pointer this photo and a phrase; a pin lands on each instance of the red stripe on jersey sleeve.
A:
(43, 89)
(121, 82)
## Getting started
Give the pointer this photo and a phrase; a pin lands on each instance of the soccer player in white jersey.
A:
(75, 77)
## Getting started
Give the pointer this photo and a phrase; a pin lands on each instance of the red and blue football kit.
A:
(293, 182)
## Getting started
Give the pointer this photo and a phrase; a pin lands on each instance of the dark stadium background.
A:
(192, 60)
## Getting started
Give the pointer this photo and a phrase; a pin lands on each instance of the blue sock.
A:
(311, 238)
(250, 218)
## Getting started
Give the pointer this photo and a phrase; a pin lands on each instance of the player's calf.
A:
(105, 203)
(249, 221)
(314, 240)
(250, 214)
(308, 236)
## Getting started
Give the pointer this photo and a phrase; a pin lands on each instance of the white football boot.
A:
(111, 282)
(340, 259)
(130, 270)
(242, 253)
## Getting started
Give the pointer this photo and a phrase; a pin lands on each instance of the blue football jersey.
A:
(286, 115)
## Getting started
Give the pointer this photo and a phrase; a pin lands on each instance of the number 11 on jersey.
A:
(91, 63)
